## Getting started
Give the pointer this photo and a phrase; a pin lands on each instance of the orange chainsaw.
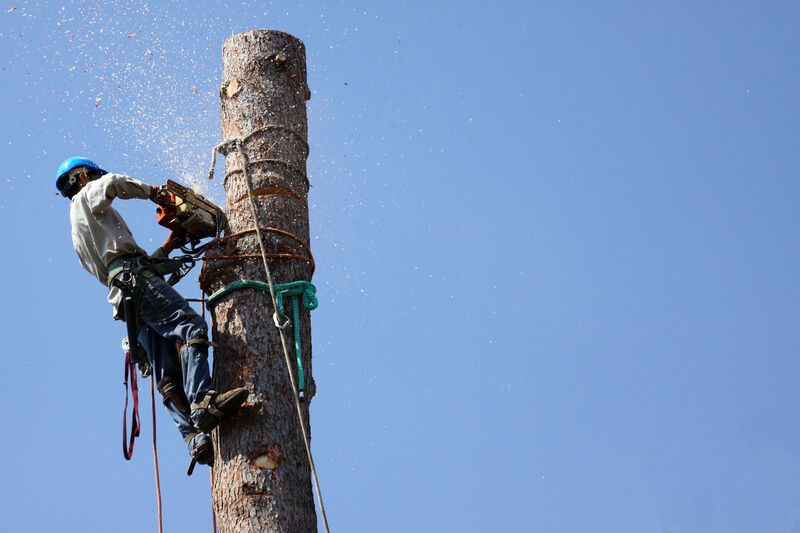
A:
(188, 214)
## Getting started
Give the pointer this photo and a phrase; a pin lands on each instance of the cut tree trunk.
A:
(262, 479)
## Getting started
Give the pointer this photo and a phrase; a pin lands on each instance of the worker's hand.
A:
(174, 240)
(160, 195)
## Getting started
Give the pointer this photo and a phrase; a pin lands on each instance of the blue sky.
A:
(556, 251)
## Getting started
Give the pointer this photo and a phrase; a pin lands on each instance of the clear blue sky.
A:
(557, 249)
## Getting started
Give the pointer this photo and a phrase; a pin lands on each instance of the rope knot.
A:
(223, 148)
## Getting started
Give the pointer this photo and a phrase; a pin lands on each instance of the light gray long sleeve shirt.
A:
(99, 234)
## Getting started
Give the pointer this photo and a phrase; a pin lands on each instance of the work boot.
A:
(208, 412)
(201, 449)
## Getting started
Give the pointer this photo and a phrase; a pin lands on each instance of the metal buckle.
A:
(125, 280)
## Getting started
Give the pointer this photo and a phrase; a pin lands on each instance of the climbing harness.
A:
(281, 322)
(131, 274)
(149, 267)
(294, 290)
(125, 278)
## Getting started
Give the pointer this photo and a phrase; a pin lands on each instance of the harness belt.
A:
(135, 263)
(157, 266)
(131, 275)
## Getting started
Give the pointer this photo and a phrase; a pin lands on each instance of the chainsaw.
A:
(191, 216)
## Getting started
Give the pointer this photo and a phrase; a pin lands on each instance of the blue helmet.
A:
(71, 164)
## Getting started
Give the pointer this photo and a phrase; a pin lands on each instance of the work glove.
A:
(160, 195)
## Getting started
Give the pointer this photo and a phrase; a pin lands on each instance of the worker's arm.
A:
(101, 192)
(174, 240)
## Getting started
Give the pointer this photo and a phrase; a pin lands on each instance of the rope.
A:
(281, 325)
(270, 190)
(308, 258)
(293, 289)
(202, 301)
(130, 370)
(305, 289)
(259, 256)
(224, 146)
(268, 127)
(277, 231)
(293, 168)
(155, 452)
(308, 291)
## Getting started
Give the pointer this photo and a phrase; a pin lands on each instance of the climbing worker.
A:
(174, 336)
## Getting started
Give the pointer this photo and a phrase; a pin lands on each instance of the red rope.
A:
(127, 446)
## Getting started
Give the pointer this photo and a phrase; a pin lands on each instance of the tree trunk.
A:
(262, 479)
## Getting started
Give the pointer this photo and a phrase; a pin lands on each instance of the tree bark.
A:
(262, 479)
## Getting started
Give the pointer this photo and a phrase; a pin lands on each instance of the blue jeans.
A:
(164, 319)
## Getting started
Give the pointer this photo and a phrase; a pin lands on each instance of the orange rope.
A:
(277, 231)
(309, 256)
(294, 168)
(308, 260)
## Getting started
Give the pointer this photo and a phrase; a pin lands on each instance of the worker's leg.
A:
(167, 372)
(170, 315)
(164, 359)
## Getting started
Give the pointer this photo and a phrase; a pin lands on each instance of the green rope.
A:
(292, 289)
